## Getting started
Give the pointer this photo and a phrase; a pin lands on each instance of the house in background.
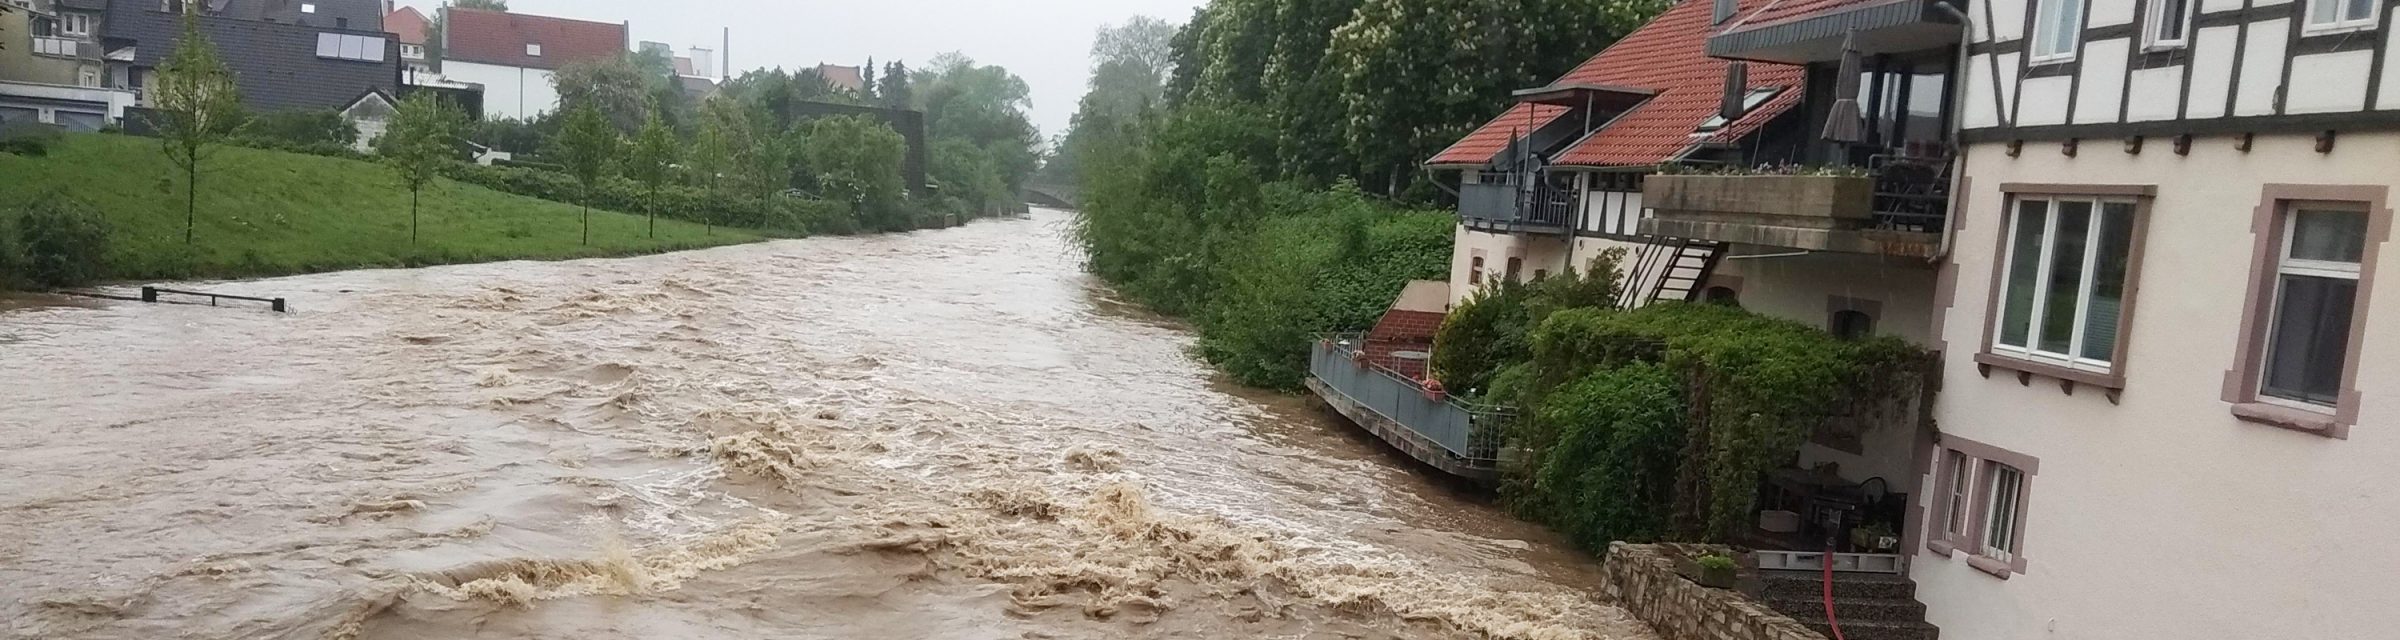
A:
(411, 28)
(695, 72)
(53, 68)
(284, 55)
(513, 55)
(372, 115)
(851, 79)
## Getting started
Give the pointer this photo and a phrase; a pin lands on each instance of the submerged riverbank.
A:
(949, 434)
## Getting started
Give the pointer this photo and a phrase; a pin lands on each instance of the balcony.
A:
(1364, 384)
(1897, 209)
(1518, 205)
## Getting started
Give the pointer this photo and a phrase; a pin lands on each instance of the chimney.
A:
(1724, 11)
(1737, 91)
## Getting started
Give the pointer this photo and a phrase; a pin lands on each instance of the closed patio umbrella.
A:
(1845, 124)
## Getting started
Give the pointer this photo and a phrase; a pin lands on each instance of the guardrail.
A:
(1469, 433)
(151, 295)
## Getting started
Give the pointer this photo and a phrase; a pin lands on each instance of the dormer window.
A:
(533, 50)
(75, 24)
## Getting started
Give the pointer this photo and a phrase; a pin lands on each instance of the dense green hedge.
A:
(1658, 422)
(781, 215)
(54, 242)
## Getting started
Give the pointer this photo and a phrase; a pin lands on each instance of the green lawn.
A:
(266, 213)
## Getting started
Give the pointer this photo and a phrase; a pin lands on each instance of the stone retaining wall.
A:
(1642, 579)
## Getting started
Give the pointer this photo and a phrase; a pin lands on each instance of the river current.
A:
(943, 434)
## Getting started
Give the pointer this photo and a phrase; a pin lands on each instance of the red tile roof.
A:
(406, 25)
(843, 77)
(1782, 11)
(1667, 56)
(1670, 56)
(1479, 147)
(494, 37)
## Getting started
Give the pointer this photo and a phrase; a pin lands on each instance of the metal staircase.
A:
(1671, 269)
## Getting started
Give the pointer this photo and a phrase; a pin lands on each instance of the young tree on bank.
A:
(421, 142)
(654, 156)
(196, 107)
(586, 147)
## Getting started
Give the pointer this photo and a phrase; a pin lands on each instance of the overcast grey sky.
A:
(1046, 42)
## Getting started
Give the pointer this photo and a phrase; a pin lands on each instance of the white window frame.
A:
(2286, 265)
(1958, 523)
(2041, 34)
(75, 24)
(2341, 23)
(2002, 512)
(2032, 349)
(533, 49)
(2156, 15)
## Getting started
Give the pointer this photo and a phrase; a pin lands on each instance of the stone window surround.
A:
(2267, 229)
(1475, 261)
(1935, 525)
(2143, 196)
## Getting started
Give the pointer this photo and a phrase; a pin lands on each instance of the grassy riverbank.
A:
(265, 213)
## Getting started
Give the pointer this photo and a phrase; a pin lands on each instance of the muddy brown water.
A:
(950, 434)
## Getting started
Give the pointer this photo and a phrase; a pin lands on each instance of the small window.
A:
(1475, 271)
(2341, 15)
(1962, 473)
(1749, 103)
(306, 7)
(2170, 24)
(2057, 28)
(1541, 274)
(88, 78)
(1516, 266)
(2005, 501)
(534, 50)
(76, 24)
(1851, 324)
(2317, 278)
(341, 23)
(1723, 296)
(2063, 288)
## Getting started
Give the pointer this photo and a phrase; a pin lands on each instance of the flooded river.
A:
(949, 434)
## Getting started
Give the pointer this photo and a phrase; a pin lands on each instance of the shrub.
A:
(784, 215)
(27, 139)
(61, 243)
(304, 128)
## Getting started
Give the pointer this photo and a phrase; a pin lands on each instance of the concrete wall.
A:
(2161, 515)
(1897, 292)
(508, 92)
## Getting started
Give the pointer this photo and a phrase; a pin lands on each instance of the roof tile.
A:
(1487, 141)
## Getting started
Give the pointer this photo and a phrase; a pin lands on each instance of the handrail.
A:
(1469, 431)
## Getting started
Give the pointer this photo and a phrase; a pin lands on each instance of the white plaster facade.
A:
(2160, 514)
(518, 93)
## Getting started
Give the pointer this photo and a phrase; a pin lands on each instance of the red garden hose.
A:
(1827, 562)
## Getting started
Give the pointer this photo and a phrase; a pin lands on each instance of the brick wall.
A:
(1642, 580)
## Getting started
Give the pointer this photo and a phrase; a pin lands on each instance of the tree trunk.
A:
(652, 201)
(413, 198)
(191, 199)
(587, 215)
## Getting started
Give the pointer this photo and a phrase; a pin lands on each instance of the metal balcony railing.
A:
(1519, 205)
(1468, 432)
(1912, 193)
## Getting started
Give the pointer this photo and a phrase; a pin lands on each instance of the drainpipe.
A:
(1958, 100)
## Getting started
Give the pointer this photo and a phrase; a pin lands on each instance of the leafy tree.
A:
(985, 106)
(1130, 68)
(967, 173)
(857, 160)
(421, 142)
(587, 147)
(894, 90)
(615, 87)
(866, 82)
(725, 136)
(196, 106)
(653, 156)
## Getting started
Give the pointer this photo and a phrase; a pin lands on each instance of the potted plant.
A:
(1717, 571)
(1876, 536)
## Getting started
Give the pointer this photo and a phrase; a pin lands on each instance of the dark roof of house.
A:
(1667, 57)
(84, 5)
(361, 15)
(499, 38)
(408, 25)
(1782, 11)
(275, 65)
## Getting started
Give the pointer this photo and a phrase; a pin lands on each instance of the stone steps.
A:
(1865, 609)
(1876, 630)
(1808, 585)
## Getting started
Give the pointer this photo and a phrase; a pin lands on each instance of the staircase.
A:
(1671, 269)
(1871, 606)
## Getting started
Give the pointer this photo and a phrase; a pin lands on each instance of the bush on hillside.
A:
(303, 127)
(779, 214)
(27, 139)
(60, 243)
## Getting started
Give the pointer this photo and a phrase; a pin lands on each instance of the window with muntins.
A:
(2329, 15)
(2005, 505)
(2063, 291)
(2316, 293)
(1962, 470)
(2170, 24)
(2057, 27)
(76, 24)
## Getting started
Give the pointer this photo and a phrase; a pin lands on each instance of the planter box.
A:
(1834, 197)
